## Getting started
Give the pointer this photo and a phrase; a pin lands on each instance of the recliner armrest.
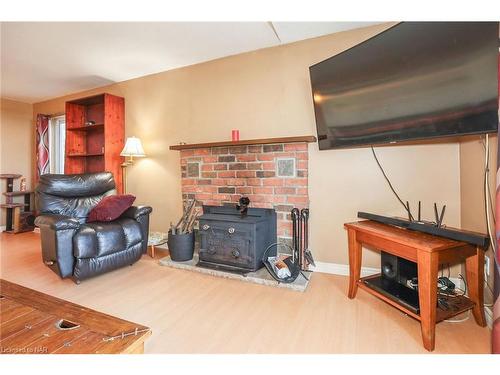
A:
(141, 215)
(56, 232)
(57, 222)
(135, 212)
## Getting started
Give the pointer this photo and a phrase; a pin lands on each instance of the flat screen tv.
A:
(415, 80)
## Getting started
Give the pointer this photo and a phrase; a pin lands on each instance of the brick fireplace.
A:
(271, 175)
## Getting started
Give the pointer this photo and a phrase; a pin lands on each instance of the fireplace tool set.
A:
(288, 269)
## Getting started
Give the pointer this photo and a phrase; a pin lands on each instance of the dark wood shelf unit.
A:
(17, 193)
(13, 205)
(19, 217)
(247, 142)
(95, 148)
(10, 176)
(461, 303)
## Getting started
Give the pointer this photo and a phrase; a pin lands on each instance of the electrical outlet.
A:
(487, 266)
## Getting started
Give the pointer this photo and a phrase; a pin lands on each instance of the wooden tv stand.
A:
(428, 252)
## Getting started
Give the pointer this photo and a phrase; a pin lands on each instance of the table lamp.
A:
(133, 148)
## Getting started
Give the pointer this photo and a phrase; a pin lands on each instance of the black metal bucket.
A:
(181, 246)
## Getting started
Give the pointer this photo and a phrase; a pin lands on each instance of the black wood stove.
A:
(235, 241)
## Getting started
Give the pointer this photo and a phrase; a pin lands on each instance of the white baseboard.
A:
(343, 270)
(2, 228)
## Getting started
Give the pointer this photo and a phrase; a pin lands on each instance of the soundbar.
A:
(477, 239)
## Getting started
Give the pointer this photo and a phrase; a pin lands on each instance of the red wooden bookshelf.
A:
(97, 147)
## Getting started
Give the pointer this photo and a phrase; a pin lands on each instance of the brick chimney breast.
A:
(271, 175)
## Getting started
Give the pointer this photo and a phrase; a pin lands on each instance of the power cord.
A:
(444, 297)
(487, 193)
(449, 301)
(488, 207)
(390, 184)
(459, 320)
(490, 198)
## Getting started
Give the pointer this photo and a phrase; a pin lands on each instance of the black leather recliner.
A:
(73, 248)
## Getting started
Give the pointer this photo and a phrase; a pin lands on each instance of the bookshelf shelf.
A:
(95, 148)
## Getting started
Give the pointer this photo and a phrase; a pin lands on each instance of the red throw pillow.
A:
(110, 208)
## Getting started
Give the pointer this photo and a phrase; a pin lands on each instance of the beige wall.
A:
(472, 160)
(16, 142)
(267, 93)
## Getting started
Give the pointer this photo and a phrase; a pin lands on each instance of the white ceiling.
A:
(42, 60)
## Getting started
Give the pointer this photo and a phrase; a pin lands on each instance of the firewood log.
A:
(187, 217)
(184, 208)
(192, 221)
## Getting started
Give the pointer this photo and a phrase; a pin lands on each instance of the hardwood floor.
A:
(191, 312)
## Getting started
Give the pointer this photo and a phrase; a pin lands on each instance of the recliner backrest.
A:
(73, 194)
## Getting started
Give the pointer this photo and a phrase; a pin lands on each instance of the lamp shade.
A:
(133, 147)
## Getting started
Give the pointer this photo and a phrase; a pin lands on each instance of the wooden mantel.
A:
(263, 141)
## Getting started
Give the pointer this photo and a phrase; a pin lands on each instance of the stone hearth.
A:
(261, 276)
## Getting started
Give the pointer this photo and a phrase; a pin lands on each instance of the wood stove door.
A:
(228, 245)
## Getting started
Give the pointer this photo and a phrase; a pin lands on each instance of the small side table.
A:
(428, 252)
(156, 239)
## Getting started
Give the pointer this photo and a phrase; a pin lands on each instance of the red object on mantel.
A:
(235, 135)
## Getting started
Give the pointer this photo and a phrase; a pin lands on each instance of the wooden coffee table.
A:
(36, 323)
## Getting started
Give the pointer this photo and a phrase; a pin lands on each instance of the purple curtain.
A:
(42, 145)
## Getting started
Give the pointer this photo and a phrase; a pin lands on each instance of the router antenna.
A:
(441, 217)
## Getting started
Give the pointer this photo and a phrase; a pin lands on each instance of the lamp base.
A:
(124, 176)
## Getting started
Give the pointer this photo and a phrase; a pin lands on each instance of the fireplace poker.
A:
(307, 255)
(303, 237)
(299, 239)
(295, 214)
